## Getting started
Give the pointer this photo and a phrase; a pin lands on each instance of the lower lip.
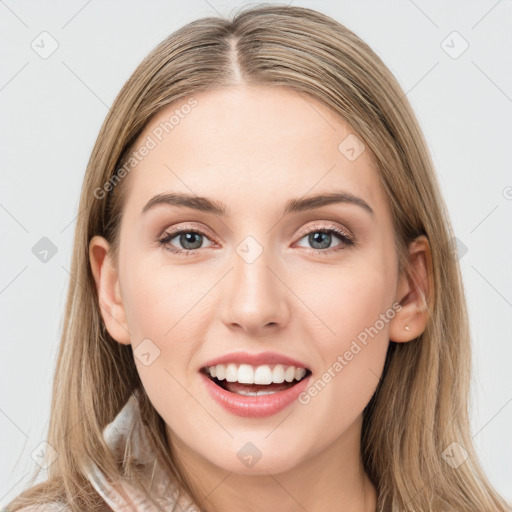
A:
(255, 406)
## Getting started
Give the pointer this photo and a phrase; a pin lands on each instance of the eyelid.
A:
(305, 231)
(187, 227)
(316, 226)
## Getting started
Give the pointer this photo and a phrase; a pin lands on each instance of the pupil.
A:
(188, 238)
(314, 236)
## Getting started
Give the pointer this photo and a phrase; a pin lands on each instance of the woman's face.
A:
(262, 276)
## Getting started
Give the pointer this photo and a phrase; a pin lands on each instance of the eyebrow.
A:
(206, 205)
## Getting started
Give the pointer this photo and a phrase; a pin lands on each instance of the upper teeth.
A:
(247, 374)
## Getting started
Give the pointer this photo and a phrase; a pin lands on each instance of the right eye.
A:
(190, 239)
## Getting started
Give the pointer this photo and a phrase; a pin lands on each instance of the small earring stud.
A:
(407, 328)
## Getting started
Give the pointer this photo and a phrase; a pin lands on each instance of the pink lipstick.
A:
(259, 406)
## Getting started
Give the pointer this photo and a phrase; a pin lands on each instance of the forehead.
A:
(260, 143)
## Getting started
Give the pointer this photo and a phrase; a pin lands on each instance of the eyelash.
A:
(345, 239)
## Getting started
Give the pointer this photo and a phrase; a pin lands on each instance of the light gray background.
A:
(52, 109)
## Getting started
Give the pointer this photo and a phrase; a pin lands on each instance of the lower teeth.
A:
(255, 393)
(248, 392)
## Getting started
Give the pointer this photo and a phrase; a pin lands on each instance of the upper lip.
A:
(255, 359)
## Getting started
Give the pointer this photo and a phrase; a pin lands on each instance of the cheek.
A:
(350, 341)
(149, 305)
(349, 299)
(158, 299)
(350, 332)
(162, 321)
(166, 317)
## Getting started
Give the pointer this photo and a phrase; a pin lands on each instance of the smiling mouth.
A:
(253, 389)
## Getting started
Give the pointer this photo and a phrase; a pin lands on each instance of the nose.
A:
(255, 298)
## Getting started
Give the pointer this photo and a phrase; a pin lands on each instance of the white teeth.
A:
(278, 374)
(220, 371)
(289, 374)
(245, 374)
(231, 373)
(264, 374)
(257, 393)
(299, 373)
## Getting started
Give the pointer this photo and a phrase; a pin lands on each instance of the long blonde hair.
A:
(420, 406)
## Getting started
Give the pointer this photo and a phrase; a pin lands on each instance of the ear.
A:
(108, 290)
(414, 292)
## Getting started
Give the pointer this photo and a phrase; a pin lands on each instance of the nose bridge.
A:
(256, 297)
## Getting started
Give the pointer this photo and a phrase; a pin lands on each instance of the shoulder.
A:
(46, 507)
(53, 506)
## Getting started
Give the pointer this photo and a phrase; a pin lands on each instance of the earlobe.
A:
(414, 292)
(106, 279)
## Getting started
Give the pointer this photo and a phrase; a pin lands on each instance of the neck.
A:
(332, 479)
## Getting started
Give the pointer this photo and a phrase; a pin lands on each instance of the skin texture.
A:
(253, 149)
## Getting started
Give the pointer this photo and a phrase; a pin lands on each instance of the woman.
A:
(265, 310)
